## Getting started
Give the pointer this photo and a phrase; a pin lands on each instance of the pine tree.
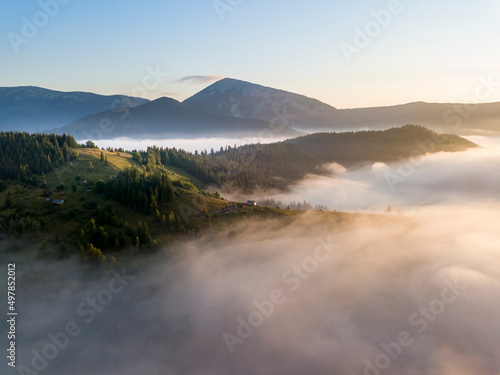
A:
(83, 237)
(8, 201)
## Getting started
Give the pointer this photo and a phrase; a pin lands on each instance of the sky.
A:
(410, 51)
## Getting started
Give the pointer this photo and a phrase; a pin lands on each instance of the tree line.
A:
(277, 165)
(26, 155)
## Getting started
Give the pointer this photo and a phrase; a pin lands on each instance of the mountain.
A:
(242, 99)
(228, 107)
(35, 109)
(165, 117)
(277, 165)
(352, 149)
(464, 119)
(247, 100)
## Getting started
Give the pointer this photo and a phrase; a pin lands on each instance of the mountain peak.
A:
(226, 84)
(164, 100)
(236, 85)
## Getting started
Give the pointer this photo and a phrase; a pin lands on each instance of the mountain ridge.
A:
(245, 99)
(169, 118)
(37, 109)
(261, 102)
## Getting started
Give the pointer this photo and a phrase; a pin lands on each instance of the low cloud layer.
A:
(320, 294)
(190, 145)
(463, 177)
(323, 293)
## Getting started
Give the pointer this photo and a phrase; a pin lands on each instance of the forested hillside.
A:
(24, 155)
(71, 197)
(102, 201)
(277, 165)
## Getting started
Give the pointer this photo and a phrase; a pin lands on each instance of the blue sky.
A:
(430, 51)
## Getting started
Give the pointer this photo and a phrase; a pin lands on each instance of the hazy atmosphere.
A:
(466, 179)
(361, 284)
(246, 187)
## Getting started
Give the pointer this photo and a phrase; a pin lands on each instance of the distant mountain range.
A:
(230, 108)
(248, 100)
(167, 118)
(460, 119)
(35, 109)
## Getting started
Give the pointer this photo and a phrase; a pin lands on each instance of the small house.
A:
(89, 190)
(251, 203)
(59, 202)
(47, 200)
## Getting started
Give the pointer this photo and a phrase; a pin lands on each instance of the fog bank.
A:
(191, 145)
(440, 178)
(323, 294)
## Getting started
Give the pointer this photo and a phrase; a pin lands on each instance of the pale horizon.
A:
(181, 99)
(366, 54)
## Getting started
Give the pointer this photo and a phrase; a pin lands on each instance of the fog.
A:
(323, 293)
(191, 145)
(332, 290)
(440, 178)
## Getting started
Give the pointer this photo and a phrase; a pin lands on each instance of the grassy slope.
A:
(189, 206)
(116, 161)
(66, 230)
(181, 174)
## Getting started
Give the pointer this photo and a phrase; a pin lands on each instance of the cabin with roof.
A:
(251, 203)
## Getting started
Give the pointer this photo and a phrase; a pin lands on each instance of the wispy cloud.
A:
(169, 94)
(200, 79)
